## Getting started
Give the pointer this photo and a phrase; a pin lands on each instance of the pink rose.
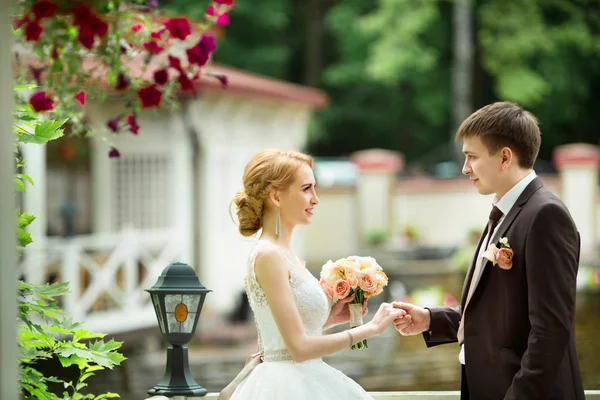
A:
(326, 288)
(504, 258)
(367, 283)
(341, 289)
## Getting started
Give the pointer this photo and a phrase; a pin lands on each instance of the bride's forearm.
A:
(330, 325)
(310, 347)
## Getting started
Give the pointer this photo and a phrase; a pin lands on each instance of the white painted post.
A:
(8, 305)
(579, 165)
(183, 188)
(102, 172)
(35, 204)
(375, 185)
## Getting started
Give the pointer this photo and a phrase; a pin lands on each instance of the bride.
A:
(290, 308)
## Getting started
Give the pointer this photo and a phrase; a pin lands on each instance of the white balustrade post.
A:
(130, 274)
(183, 188)
(375, 189)
(578, 164)
(35, 204)
(71, 273)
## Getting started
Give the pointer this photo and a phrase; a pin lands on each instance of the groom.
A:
(515, 327)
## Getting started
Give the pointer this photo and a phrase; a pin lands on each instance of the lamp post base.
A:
(177, 380)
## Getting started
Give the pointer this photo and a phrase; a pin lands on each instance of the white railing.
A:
(107, 274)
(416, 395)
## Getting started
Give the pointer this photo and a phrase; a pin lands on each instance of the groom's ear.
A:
(506, 157)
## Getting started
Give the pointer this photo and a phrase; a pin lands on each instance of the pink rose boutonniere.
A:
(501, 256)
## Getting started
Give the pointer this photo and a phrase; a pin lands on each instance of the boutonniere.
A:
(500, 255)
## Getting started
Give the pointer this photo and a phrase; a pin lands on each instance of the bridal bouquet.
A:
(353, 275)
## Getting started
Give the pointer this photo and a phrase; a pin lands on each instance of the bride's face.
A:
(300, 199)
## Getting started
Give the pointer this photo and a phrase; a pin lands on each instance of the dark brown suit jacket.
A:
(519, 324)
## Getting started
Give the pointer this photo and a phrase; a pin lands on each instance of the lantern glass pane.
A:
(174, 325)
(171, 301)
(159, 314)
(191, 301)
(188, 324)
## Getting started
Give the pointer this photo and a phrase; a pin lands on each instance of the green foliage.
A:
(376, 237)
(47, 332)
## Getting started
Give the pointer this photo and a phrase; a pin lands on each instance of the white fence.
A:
(107, 275)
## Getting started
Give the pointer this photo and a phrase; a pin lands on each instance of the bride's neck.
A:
(283, 239)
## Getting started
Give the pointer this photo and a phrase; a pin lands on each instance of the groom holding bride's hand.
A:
(516, 323)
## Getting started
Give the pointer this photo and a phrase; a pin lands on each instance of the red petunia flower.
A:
(44, 9)
(179, 28)
(114, 153)
(223, 79)
(150, 96)
(161, 76)
(113, 124)
(200, 53)
(175, 63)
(133, 126)
(41, 102)
(86, 37)
(33, 31)
(186, 84)
(80, 97)
(122, 82)
(153, 47)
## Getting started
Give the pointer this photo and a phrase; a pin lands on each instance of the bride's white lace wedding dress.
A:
(279, 377)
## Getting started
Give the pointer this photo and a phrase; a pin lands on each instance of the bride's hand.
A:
(384, 317)
(340, 312)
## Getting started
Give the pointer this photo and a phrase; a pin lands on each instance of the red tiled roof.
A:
(240, 82)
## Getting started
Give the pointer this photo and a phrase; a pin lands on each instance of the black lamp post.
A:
(178, 297)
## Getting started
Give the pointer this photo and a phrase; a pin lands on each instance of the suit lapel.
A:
(471, 270)
(533, 187)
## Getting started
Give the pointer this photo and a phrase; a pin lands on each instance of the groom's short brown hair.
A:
(504, 124)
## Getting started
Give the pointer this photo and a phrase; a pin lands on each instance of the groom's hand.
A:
(416, 321)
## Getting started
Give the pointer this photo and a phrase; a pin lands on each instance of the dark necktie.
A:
(495, 216)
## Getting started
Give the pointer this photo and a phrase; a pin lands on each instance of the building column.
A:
(377, 170)
(578, 165)
(8, 306)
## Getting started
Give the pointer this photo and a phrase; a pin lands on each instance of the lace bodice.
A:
(311, 301)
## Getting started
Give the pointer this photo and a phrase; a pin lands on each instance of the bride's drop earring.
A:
(278, 224)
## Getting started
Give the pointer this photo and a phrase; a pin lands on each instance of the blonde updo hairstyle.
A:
(271, 169)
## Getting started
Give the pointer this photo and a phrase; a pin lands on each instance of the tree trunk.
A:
(313, 55)
(8, 305)
(462, 71)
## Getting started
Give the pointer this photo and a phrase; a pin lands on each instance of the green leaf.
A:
(101, 353)
(19, 185)
(23, 238)
(43, 132)
(85, 334)
(25, 178)
(108, 395)
(23, 220)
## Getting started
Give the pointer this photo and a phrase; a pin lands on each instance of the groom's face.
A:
(484, 170)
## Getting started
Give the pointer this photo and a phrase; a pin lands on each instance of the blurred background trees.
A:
(403, 74)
